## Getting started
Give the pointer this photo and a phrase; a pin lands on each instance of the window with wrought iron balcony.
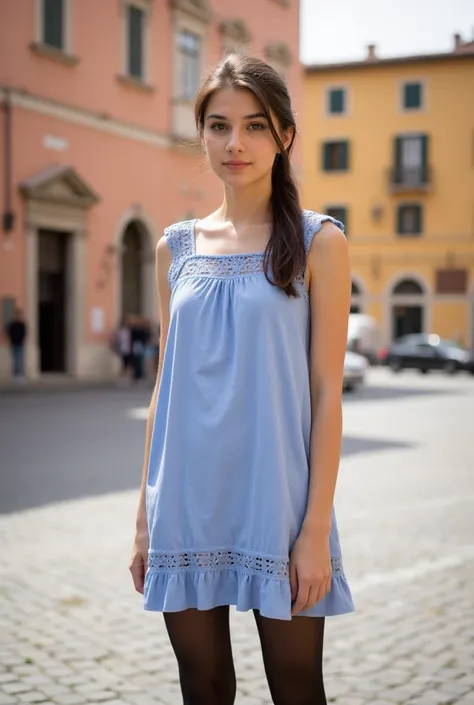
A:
(410, 170)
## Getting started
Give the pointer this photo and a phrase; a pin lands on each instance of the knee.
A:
(204, 687)
(297, 686)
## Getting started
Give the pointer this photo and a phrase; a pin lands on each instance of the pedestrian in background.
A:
(244, 432)
(16, 332)
(139, 336)
(149, 354)
(124, 348)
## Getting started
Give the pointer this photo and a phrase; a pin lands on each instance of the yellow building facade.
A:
(388, 147)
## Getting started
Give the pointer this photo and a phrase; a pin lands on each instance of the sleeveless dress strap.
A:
(180, 240)
(312, 224)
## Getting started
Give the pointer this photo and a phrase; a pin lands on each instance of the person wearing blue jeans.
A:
(16, 332)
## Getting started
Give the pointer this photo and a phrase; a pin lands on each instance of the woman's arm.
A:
(138, 563)
(330, 297)
(329, 281)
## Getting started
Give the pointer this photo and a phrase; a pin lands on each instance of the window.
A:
(409, 219)
(339, 213)
(336, 101)
(189, 48)
(135, 43)
(53, 23)
(336, 156)
(411, 160)
(412, 96)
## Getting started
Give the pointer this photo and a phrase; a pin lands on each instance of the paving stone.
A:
(8, 677)
(6, 699)
(466, 700)
(33, 696)
(454, 688)
(14, 687)
(70, 699)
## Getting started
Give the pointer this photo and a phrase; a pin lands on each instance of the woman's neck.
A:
(246, 206)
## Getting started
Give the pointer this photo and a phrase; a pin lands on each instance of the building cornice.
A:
(101, 122)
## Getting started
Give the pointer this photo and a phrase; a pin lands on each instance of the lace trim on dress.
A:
(227, 559)
(186, 263)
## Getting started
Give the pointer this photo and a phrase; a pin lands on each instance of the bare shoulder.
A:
(162, 249)
(163, 255)
(329, 242)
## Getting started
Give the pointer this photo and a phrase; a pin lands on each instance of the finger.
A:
(323, 589)
(301, 598)
(293, 581)
(311, 598)
(138, 577)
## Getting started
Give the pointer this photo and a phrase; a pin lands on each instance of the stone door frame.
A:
(58, 199)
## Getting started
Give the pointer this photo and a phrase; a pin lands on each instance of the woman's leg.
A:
(201, 643)
(293, 658)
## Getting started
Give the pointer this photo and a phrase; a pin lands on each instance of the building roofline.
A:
(462, 50)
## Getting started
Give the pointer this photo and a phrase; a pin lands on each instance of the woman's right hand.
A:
(139, 562)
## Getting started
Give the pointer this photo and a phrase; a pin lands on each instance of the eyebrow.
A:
(213, 116)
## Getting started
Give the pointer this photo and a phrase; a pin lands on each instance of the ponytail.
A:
(286, 244)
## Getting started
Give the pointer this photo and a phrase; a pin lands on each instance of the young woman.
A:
(244, 432)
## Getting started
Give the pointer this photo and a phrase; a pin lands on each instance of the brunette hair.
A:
(285, 249)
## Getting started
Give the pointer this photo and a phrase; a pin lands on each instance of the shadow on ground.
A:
(71, 444)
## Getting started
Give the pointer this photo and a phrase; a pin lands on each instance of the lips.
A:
(236, 163)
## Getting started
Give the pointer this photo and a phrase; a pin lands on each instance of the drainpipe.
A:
(8, 217)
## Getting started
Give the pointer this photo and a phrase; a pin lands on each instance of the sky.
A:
(340, 30)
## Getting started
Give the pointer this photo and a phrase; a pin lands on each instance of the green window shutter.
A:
(424, 158)
(400, 220)
(339, 214)
(344, 163)
(326, 157)
(397, 156)
(419, 219)
(135, 41)
(53, 23)
(336, 101)
(412, 95)
(344, 219)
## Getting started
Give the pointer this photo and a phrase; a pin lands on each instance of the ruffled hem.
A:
(175, 591)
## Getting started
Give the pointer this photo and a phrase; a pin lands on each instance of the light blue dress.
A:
(229, 459)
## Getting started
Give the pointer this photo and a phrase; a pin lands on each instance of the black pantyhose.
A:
(292, 654)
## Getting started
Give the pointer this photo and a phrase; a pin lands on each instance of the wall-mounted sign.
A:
(59, 144)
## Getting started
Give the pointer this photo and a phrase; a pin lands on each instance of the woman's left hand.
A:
(310, 570)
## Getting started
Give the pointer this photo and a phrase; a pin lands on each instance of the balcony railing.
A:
(409, 178)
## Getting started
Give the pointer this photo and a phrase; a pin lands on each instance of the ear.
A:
(288, 137)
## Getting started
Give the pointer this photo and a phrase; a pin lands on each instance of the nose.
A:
(234, 142)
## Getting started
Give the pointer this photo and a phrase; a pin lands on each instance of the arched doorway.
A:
(136, 258)
(408, 308)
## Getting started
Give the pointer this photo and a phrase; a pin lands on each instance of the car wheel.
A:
(450, 367)
(395, 365)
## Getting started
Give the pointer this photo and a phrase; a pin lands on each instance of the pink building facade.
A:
(95, 155)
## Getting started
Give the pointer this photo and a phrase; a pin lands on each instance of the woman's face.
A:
(237, 138)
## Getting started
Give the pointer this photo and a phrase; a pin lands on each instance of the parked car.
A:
(427, 352)
(355, 369)
(363, 336)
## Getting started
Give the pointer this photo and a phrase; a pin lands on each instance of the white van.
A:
(363, 336)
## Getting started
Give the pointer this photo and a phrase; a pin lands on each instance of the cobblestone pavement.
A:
(72, 630)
